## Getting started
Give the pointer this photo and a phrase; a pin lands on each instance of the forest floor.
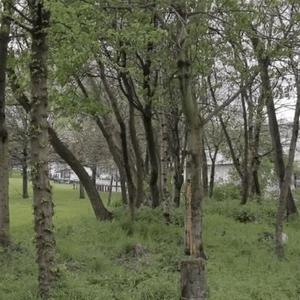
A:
(118, 260)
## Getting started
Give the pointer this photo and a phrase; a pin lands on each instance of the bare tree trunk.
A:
(205, 174)
(4, 166)
(196, 275)
(212, 172)
(152, 151)
(138, 158)
(94, 173)
(42, 197)
(124, 144)
(286, 183)
(275, 135)
(25, 174)
(81, 191)
(110, 189)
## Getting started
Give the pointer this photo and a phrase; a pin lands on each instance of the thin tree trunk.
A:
(42, 197)
(110, 189)
(205, 174)
(275, 135)
(81, 191)
(286, 183)
(25, 174)
(212, 173)
(94, 173)
(4, 166)
(138, 158)
(152, 151)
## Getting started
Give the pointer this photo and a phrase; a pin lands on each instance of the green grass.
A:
(96, 259)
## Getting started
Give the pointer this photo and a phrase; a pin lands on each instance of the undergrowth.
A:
(121, 260)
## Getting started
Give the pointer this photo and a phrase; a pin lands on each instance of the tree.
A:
(42, 197)
(4, 167)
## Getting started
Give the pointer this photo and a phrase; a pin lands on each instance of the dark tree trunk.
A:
(81, 191)
(212, 173)
(42, 197)
(178, 182)
(94, 174)
(4, 167)
(138, 158)
(152, 151)
(100, 211)
(205, 174)
(275, 135)
(110, 189)
(117, 156)
(124, 144)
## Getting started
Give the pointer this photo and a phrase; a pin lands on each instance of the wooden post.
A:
(193, 279)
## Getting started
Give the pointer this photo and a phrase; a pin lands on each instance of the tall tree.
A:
(42, 197)
(4, 170)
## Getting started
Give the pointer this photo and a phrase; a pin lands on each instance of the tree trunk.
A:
(4, 166)
(152, 151)
(81, 191)
(286, 183)
(190, 110)
(192, 279)
(99, 209)
(94, 174)
(205, 174)
(42, 197)
(116, 154)
(212, 173)
(124, 144)
(138, 158)
(110, 189)
(275, 135)
(62, 150)
(25, 174)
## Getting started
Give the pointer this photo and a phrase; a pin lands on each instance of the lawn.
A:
(120, 260)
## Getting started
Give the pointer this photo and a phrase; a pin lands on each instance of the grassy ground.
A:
(98, 261)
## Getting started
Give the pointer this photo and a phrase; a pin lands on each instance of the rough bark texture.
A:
(138, 158)
(193, 281)
(195, 150)
(154, 164)
(42, 197)
(4, 168)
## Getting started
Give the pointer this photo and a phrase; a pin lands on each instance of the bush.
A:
(226, 191)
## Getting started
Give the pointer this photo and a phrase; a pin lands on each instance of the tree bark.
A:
(25, 174)
(42, 196)
(4, 169)
(4, 166)
(81, 191)
(212, 172)
(195, 150)
(154, 164)
(138, 158)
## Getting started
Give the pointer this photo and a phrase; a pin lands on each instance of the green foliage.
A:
(226, 192)
(99, 260)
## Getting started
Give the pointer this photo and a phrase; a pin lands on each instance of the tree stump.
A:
(193, 279)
